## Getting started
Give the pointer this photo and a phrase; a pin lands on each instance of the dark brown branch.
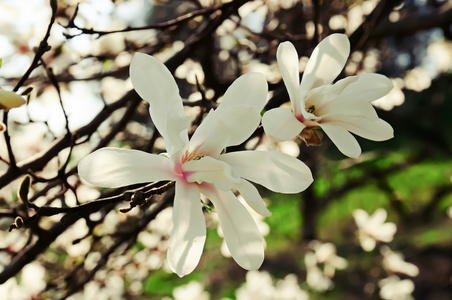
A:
(162, 25)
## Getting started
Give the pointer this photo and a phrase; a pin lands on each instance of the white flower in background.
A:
(323, 253)
(392, 288)
(339, 109)
(260, 286)
(30, 286)
(394, 262)
(191, 291)
(373, 228)
(198, 166)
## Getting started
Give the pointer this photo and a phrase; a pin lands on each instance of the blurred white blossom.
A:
(191, 291)
(394, 262)
(373, 228)
(392, 288)
(261, 286)
(322, 254)
(31, 283)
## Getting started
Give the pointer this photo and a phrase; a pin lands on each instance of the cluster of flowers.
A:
(199, 165)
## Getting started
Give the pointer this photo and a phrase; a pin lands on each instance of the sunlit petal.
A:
(344, 140)
(240, 231)
(231, 127)
(252, 197)
(250, 89)
(326, 62)
(287, 58)
(155, 84)
(373, 129)
(276, 171)
(364, 87)
(115, 167)
(189, 230)
(280, 124)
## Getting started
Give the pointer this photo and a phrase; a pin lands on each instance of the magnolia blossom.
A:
(339, 109)
(261, 286)
(393, 288)
(373, 228)
(200, 166)
(324, 253)
(394, 262)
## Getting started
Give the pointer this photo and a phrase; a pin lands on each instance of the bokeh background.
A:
(70, 60)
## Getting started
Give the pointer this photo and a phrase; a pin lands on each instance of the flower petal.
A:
(230, 127)
(344, 140)
(364, 87)
(280, 124)
(240, 231)
(276, 171)
(210, 170)
(371, 129)
(115, 167)
(326, 62)
(250, 89)
(189, 230)
(287, 58)
(155, 84)
(361, 217)
(252, 197)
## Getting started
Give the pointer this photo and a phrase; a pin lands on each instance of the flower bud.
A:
(24, 188)
(10, 99)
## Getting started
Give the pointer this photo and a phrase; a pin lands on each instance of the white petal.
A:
(326, 62)
(276, 171)
(374, 129)
(344, 140)
(249, 89)
(115, 167)
(210, 170)
(155, 84)
(379, 216)
(252, 197)
(229, 128)
(189, 230)
(287, 58)
(365, 87)
(335, 110)
(240, 231)
(386, 232)
(367, 243)
(361, 217)
(280, 124)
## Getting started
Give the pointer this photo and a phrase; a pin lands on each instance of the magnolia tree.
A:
(146, 142)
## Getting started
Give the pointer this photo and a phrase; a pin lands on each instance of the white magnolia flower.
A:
(325, 253)
(373, 228)
(191, 291)
(392, 288)
(394, 262)
(338, 108)
(261, 286)
(198, 165)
